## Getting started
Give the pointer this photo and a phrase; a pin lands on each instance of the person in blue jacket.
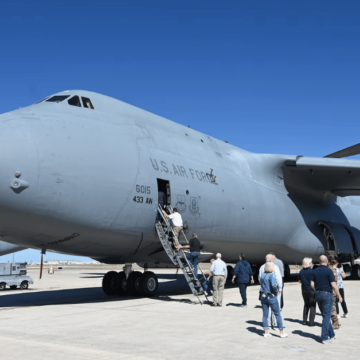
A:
(244, 275)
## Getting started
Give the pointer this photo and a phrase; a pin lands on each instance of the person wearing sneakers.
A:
(218, 270)
(268, 295)
(271, 258)
(341, 275)
(323, 281)
(244, 275)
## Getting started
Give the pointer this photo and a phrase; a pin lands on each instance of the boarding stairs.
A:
(178, 258)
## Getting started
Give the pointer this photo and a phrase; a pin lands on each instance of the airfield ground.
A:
(67, 316)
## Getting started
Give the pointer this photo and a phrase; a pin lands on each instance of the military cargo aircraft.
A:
(81, 172)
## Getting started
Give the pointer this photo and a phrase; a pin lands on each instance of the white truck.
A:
(14, 275)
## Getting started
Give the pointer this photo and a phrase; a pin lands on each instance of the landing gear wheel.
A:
(13, 287)
(2, 286)
(287, 273)
(255, 269)
(149, 283)
(24, 285)
(109, 283)
(134, 283)
(355, 272)
(121, 284)
(230, 271)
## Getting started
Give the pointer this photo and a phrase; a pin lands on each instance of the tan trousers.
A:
(218, 285)
(177, 231)
(334, 319)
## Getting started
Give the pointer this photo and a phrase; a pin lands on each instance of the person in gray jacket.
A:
(280, 265)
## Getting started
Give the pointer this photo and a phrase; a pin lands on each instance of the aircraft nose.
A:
(18, 164)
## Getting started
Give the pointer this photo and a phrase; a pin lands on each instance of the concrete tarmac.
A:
(67, 316)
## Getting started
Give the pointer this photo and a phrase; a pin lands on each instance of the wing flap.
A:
(318, 176)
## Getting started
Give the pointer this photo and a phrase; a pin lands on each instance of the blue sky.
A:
(267, 76)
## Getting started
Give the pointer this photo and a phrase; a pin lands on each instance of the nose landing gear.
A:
(129, 282)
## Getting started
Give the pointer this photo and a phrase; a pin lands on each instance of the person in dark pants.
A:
(323, 281)
(208, 283)
(308, 292)
(194, 254)
(244, 275)
(341, 276)
(161, 202)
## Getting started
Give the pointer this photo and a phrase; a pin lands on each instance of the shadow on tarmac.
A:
(234, 304)
(31, 297)
(252, 322)
(307, 335)
(300, 322)
(256, 331)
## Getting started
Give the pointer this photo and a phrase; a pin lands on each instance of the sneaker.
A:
(345, 316)
(267, 335)
(327, 342)
(243, 306)
(284, 335)
(339, 316)
(333, 338)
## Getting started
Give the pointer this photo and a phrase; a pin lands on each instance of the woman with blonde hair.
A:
(308, 293)
(268, 295)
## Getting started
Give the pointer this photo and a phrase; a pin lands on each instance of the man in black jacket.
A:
(194, 254)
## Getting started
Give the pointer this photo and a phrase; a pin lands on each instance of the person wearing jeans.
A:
(325, 303)
(194, 254)
(244, 275)
(208, 283)
(277, 273)
(268, 295)
(308, 292)
(323, 281)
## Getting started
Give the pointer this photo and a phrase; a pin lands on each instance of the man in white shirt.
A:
(218, 271)
(271, 258)
(177, 223)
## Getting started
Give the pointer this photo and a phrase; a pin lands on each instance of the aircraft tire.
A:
(230, 271)
(24, 285)
(287, 272)
(150, 283)
(122, 288)
(355, 272)
(134, 283)
(109, 283)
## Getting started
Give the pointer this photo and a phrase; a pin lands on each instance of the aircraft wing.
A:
(349, 151)
(317, 176)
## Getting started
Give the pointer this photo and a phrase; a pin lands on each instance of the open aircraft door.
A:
(339, 242)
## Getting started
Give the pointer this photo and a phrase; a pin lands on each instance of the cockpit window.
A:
(41, 100)
(58, 98)
(87, 103)
(75, 101)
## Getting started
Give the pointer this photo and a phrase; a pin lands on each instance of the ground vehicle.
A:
(14, 275)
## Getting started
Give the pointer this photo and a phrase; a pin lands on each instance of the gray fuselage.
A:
(88, 186)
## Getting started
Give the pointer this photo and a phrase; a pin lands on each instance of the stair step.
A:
(178, 258)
